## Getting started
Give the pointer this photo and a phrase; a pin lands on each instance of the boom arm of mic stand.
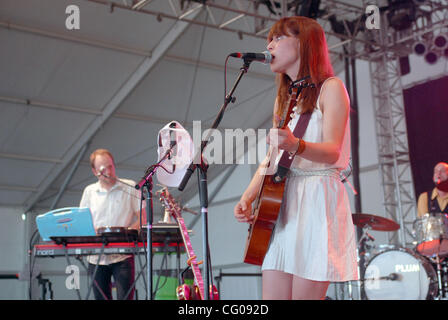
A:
(148, 175)
(215, 124)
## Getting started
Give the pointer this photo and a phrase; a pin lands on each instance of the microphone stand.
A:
(198, 163)
(147, 184)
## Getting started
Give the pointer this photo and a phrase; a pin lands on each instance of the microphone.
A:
(264, 57)
(394, 276)
(101, 171)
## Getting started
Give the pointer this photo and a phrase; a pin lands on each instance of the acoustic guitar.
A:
(266, 206)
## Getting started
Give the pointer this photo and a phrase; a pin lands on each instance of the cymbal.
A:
(375, 222)
(443, 186)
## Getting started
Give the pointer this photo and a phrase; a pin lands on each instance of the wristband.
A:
(300, 148)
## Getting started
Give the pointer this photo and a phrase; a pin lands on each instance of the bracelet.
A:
(300, 148)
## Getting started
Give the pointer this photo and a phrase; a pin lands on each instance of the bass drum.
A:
(400, 274)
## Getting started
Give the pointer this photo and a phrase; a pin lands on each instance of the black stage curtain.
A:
(426, 112)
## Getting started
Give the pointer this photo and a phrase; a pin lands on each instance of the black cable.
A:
(210, 290)
(225, 77)
(164, 262)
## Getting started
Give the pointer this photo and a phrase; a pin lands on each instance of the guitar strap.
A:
(299, 130)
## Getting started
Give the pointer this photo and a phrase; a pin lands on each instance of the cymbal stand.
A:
(360, 252)
(443, 271)
(365, 236)
(441, 291)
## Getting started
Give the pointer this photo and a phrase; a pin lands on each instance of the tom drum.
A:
(431, 232)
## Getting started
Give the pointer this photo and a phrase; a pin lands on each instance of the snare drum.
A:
(400, 274)
(431, 232)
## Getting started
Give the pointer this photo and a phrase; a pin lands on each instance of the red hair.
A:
(314, 59)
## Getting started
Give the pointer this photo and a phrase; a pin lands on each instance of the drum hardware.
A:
(442, 280)
(444, 275)
(369, 222)
(392, 277)
(366, 236)
(444, 271)
(431, 232)
(364, 245)
(375, 222)
(439, 276)
(361, 252)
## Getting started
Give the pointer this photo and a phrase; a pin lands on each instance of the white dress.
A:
(314, 237)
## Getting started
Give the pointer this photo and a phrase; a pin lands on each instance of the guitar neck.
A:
(283, 122)
(191, 255)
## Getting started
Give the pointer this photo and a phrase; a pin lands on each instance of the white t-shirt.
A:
(117, 207)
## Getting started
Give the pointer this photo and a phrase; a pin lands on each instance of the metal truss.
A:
(254, 18)
(393, 151)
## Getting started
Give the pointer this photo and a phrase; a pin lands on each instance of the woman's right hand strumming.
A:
(243, 211)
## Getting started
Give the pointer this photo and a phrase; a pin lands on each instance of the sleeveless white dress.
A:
(314, 237)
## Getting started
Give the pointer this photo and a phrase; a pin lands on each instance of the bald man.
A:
(438, 199)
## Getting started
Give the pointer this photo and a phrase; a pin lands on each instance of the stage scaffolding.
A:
(387, 93)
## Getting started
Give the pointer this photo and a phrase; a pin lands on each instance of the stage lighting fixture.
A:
(420, 48)
(401, 14)
(270, 5)
(431, 57)
(308, 9)
(440, 41)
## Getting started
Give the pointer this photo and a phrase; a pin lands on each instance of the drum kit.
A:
(395, 273)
